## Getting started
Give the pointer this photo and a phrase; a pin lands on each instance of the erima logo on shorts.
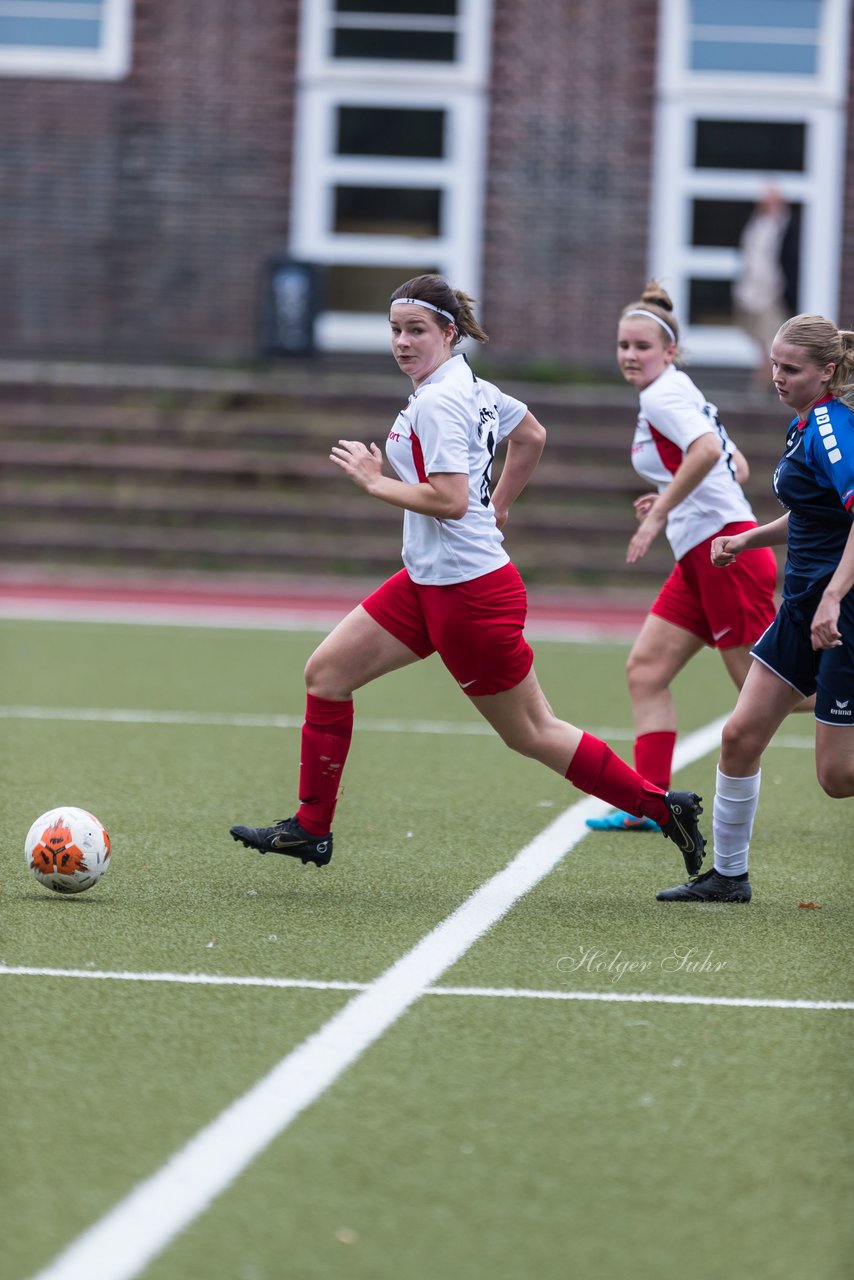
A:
(841, 708)
(825, 430)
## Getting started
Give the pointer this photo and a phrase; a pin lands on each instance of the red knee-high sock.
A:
(325, 742)
(654, 757)
(596, 769)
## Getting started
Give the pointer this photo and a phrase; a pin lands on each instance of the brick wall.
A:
(568, 175)
(132, 217)
(136, 216)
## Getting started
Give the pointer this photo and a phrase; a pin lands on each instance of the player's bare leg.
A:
(356, 652)
(834, 759)
(658, 654)
(763, 704)
(738, 662)
(526, 722)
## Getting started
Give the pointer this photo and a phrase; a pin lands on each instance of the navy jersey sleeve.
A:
(830, 449)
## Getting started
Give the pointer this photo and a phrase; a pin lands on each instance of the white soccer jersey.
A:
(452, 425)
(673, 414)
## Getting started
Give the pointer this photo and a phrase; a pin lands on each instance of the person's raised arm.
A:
(524, 446)
(700, 456)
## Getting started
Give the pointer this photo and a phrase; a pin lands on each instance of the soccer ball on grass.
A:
(67, 850)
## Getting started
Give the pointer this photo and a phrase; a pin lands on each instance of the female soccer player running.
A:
(810, 646)
(458, 593)
(682, 448)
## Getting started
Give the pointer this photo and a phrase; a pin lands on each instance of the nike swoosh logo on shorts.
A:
(467, 684)
(717, 635)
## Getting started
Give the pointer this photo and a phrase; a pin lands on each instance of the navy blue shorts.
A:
(785, 649)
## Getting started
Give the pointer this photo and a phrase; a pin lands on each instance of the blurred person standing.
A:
(681, 446)
(759, 291)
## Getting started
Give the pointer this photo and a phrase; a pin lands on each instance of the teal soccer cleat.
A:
(621, 821)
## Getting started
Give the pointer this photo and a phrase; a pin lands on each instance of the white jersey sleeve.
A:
(452, 425)
(677, 408)
(673, 414)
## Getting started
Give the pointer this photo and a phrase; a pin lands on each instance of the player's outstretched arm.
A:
(699, 459)
(725, 549)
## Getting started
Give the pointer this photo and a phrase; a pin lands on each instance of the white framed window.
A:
(765, 37)
(751, 94)
(89, 39)
(380, 40)
(389, 154)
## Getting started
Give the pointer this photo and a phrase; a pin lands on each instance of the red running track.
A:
(291, 605)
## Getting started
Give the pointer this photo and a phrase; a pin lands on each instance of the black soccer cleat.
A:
(682, 829)
(709, 887)
(286, 837)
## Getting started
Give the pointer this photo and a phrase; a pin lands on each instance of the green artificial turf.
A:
(480, 1136)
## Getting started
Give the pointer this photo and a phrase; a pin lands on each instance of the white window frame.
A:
(830, 80)
(325, 83)
(686, 96)
(473, 23)
(111, 61)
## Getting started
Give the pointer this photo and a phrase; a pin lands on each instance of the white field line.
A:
(489, 993)
(247, 720)
(231, 720)
(122, 1243)
(640, 997)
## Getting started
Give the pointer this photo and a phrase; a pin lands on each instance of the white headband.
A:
(658, 320)
(419, 302)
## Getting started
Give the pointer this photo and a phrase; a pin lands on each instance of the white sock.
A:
(736, 801)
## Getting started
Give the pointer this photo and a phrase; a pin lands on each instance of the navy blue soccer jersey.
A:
(815, 480)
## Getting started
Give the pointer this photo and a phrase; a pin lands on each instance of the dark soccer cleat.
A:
(286, 837)
(709, 887)
(682, 829)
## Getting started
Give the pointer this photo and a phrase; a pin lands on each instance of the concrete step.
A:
(232, 474)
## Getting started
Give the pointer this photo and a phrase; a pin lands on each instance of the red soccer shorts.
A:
(475, 627)
(727, 608)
